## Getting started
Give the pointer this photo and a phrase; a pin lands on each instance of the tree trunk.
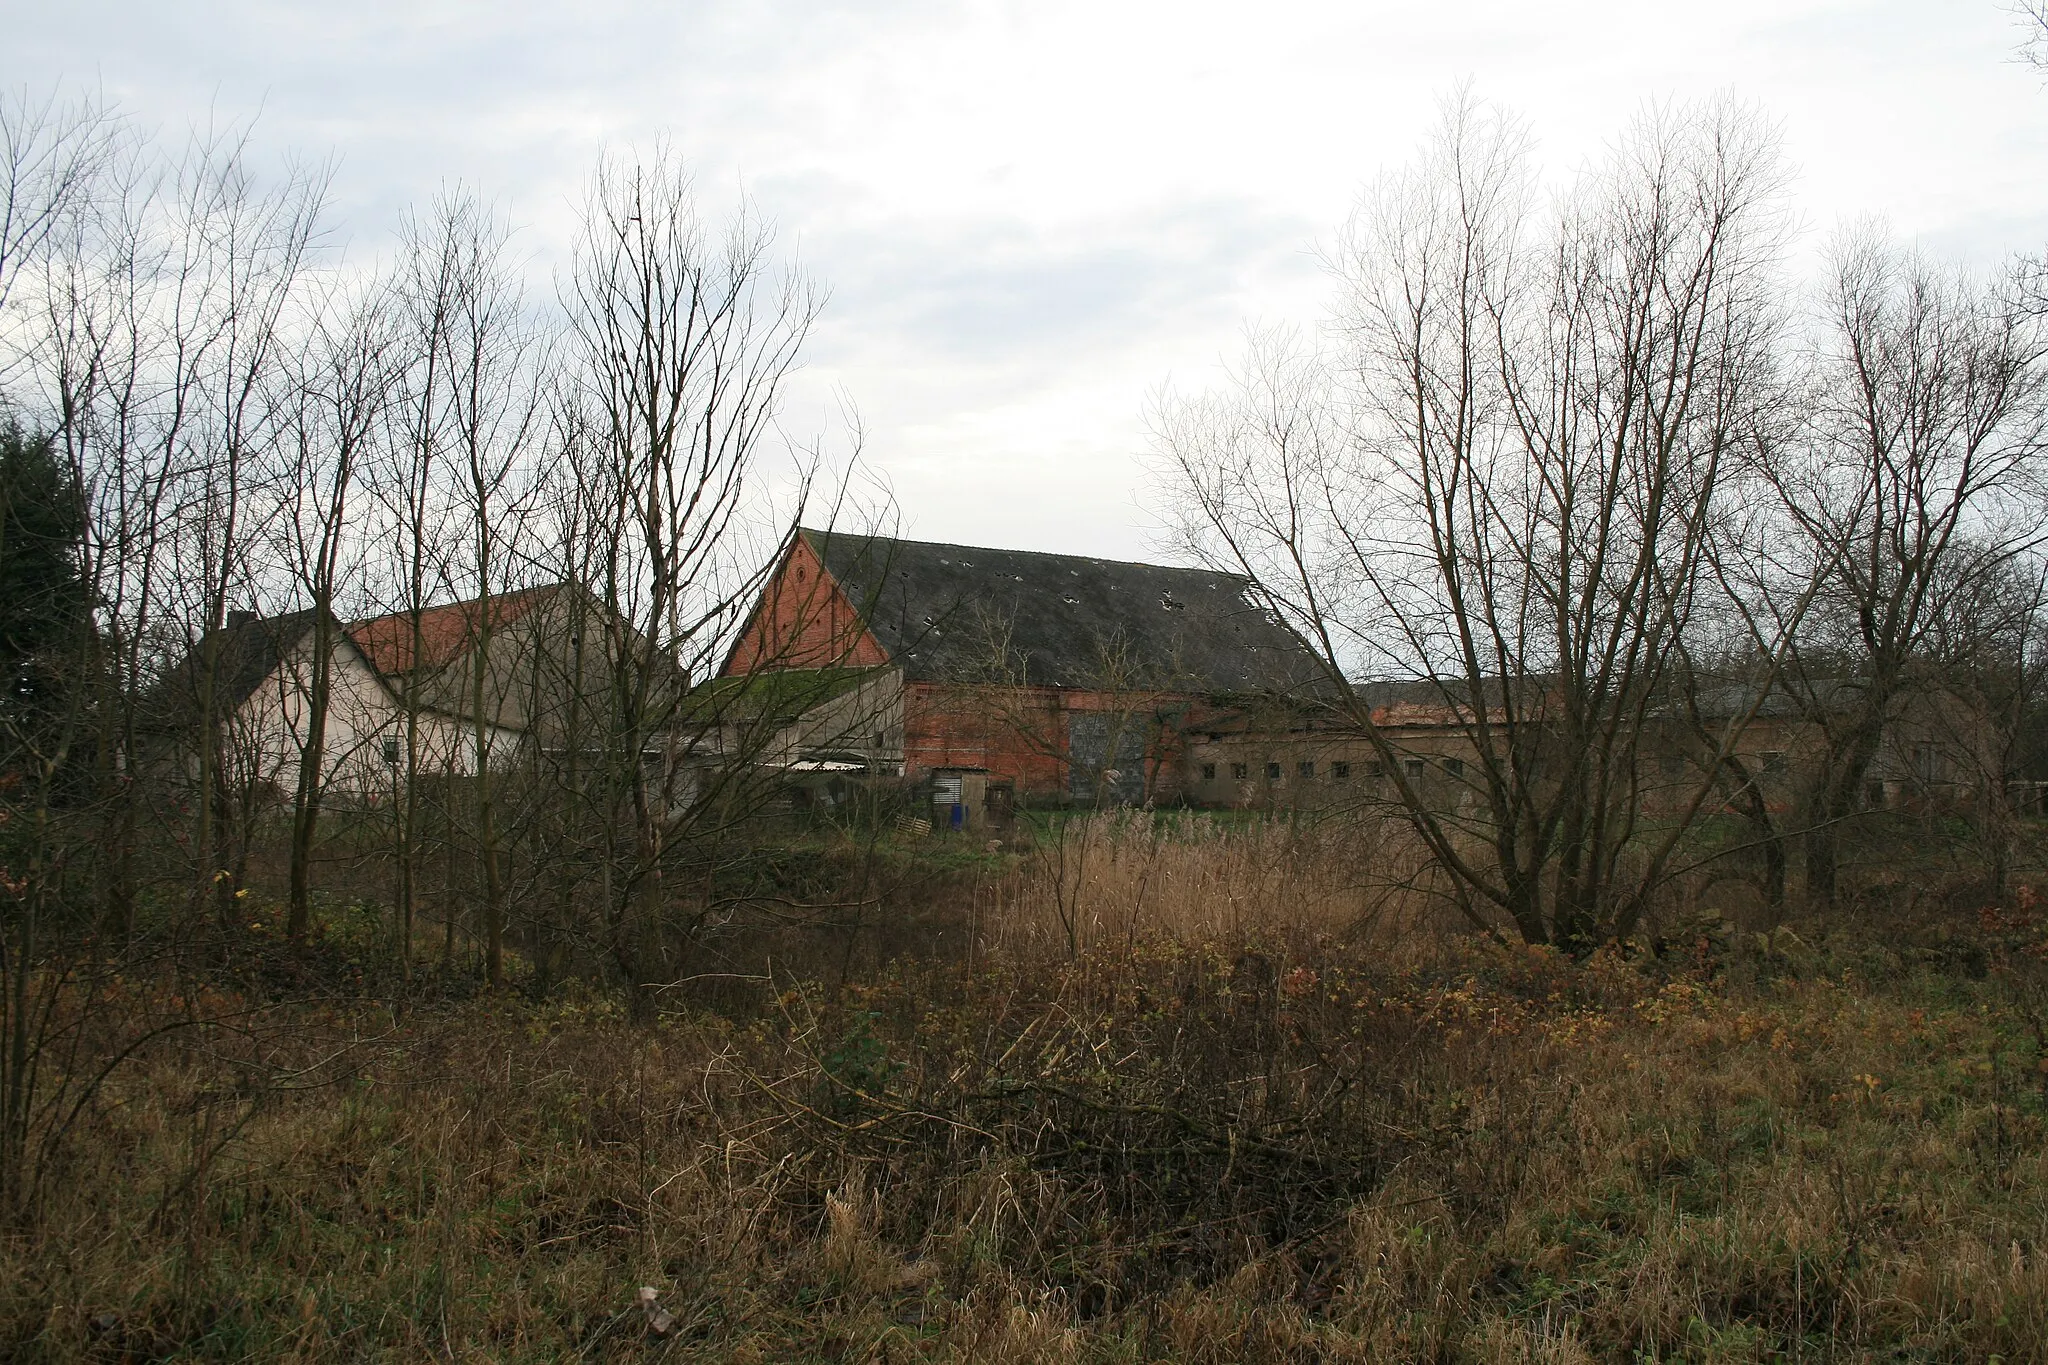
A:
(312, 759)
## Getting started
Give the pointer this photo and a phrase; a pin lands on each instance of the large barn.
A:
(1055, 676)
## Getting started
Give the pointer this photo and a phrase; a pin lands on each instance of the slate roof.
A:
(955, 612)
(249, 648)
(1411, 701)
(1726, 700)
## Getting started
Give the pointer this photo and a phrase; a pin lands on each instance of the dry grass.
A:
(1125, 876)
(1258, 1138)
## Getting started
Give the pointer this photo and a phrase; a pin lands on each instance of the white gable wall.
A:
(270, 730)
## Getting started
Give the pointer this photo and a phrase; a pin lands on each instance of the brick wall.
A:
(1018, 733)
(1026, 734)
(804, 621)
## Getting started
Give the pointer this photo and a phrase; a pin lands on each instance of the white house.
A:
(380, 672)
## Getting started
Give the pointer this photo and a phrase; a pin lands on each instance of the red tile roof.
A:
(445, 632)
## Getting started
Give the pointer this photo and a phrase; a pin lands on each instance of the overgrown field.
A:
(1262, 1142)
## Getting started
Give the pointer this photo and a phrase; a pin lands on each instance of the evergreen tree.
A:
(45, 605)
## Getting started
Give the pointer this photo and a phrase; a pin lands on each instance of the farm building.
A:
(486, 680)
(1936, 750)
(1047, 676)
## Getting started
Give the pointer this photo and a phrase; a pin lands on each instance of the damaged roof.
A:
(968, 613)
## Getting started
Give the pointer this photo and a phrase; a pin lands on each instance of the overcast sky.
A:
(1032, 214)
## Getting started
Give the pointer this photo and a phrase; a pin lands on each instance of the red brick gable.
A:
(804, 620)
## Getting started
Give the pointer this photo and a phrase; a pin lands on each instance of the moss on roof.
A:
(770, 695)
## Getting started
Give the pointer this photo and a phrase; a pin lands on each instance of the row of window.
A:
(1773, 762)
(1339, 771)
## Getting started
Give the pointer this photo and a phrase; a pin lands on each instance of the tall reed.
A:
(1190, 877)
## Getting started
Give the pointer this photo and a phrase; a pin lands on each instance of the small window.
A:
(1272, 772)
(1213, 737)
(391, 750)
(1340, 772)
(1308, 770)
(1926, 763)
(1455, 767)
(1375, 770)
(1413, 767)
(1774, 761)
(1240, 771)
(1208, 772)
(1873, 794)
(881, 740)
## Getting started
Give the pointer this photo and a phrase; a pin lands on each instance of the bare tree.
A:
(1503, 483)
(96, 348)
(341, 386)
(686, 336)
(495, 371)
(2033, 20)
(53, 155)
(1985, 671)
(55, 167)
(413, 488)
(243, 249)
(1914, 485)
